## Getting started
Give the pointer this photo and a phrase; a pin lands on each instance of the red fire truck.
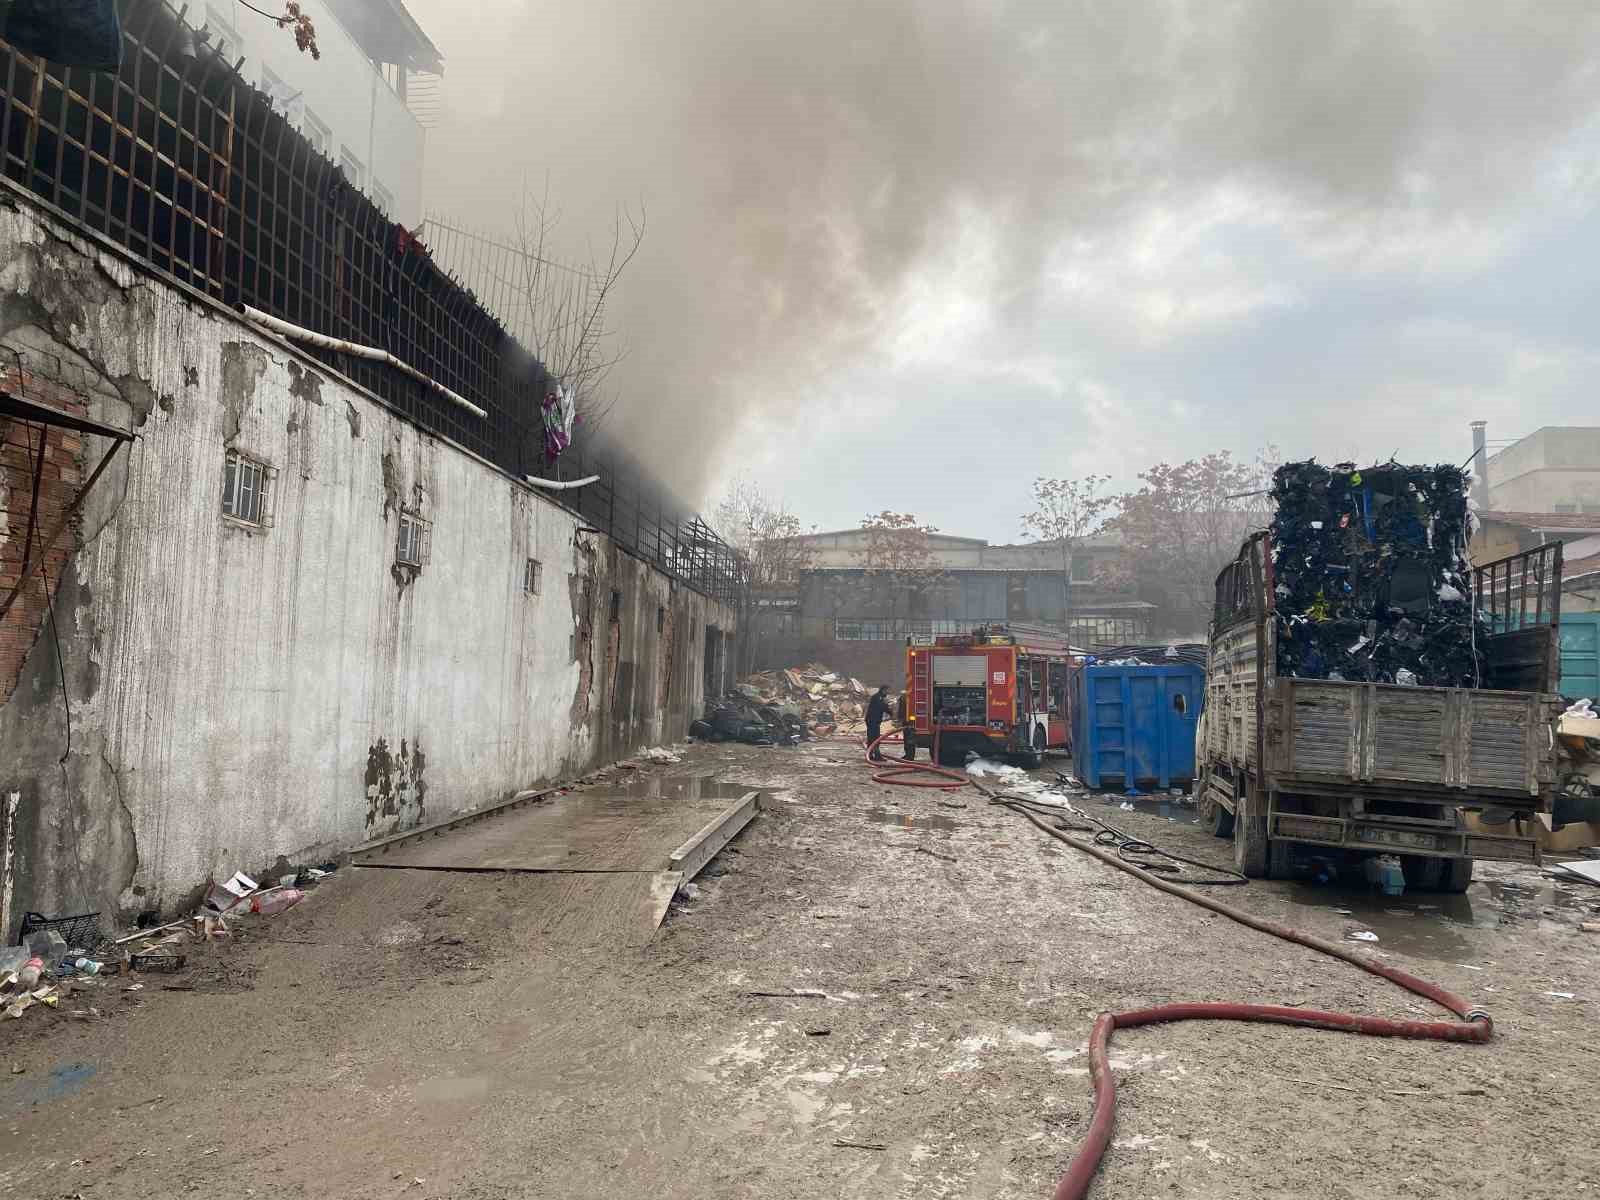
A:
(993, 691)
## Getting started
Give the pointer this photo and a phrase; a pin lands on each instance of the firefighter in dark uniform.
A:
(908, 731)
(877, 709)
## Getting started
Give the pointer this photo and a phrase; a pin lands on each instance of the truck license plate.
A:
(1399, 837)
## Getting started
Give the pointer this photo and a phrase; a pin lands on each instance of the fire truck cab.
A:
(989, 692)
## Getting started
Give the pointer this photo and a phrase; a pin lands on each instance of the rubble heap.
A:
(1370, 574)
(786, 706)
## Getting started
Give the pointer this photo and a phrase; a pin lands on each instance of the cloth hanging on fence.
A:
(1371, 576)
(559, 417)
(69, 33)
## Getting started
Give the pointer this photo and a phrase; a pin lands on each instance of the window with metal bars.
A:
(532, 577)
(412, 545)
(247, 490)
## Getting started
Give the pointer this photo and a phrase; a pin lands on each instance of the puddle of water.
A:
(882, 816)
(1167, 809)
(675, 787)
(61, 1082)
(1427, 924)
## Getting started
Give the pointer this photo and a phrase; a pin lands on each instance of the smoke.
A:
(801, 162)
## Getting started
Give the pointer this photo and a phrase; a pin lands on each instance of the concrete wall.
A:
(244, 697)
(343, 89)
(1551, 470)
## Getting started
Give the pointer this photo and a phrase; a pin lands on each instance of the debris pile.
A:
(1370, 574)
(784, 707)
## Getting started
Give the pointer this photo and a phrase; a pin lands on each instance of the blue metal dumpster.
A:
(1135, 724)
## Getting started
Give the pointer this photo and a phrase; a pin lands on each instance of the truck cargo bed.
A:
(1334, 733)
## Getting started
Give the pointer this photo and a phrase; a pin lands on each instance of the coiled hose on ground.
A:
(1475, 1024)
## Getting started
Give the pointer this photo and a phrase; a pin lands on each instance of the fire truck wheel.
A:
(1250, 833)
(1036, 758)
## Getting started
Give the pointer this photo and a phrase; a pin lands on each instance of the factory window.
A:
(383, 198)
(1566, 508)
(532, 577)
(317, 133)
(223, 36)
(616, 606)
(354, 169)
(661, 618)
(411, 547)
(247, 490)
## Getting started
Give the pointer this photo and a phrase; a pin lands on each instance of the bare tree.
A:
(1065, 513)
(773, 545)
(898, 558)
(1186, 522)
(563, 305)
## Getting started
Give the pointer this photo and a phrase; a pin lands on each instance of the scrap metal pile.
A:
(1370, 574)
(774, 708)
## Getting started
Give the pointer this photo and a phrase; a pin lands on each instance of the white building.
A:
(351, 104)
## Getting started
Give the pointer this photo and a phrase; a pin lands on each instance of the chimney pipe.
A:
(1480, 464)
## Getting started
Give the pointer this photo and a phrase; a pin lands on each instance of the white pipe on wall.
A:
(313, 338)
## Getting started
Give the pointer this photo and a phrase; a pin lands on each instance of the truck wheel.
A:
(1456, 876)
(1217, 820)
(1280, 859)
(952, 756)
(1250, 833)
(1422, 874)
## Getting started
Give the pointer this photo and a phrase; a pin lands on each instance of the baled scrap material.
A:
(1370, 574)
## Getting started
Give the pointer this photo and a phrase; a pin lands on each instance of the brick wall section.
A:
(63, 475)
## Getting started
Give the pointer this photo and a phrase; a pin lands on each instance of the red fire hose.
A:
(914, 774)
(1475, 1024)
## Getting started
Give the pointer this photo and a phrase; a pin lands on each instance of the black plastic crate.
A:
(82, 930)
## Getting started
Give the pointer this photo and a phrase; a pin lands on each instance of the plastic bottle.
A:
(276, 902)
(89, 966)
(28, 977)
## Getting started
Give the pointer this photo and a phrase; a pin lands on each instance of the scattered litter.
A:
(689, 891)
(1561, 995)
(1344, 912)
(1362, 935)
(660, 754)
(819, 1031)
(1588, 872)
(1126, 806)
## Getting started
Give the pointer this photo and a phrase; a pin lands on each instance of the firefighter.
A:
(902, 718)
(877, 709)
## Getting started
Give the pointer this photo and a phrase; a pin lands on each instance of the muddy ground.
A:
(427, 1034)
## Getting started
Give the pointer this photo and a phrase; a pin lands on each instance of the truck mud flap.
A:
(1383, 837)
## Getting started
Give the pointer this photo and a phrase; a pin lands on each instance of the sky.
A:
(913, 254)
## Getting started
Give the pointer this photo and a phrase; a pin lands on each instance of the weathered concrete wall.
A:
(241, 696)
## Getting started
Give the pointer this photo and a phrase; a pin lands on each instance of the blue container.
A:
(1580, 655)
(1135, 725)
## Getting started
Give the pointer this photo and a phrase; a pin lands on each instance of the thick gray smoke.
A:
(800, 160)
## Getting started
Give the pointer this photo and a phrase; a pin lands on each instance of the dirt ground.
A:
(419, 1034)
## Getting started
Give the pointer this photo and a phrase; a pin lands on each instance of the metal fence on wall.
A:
(188, 166)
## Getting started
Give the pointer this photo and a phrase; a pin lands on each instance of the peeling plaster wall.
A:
(245, 696)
